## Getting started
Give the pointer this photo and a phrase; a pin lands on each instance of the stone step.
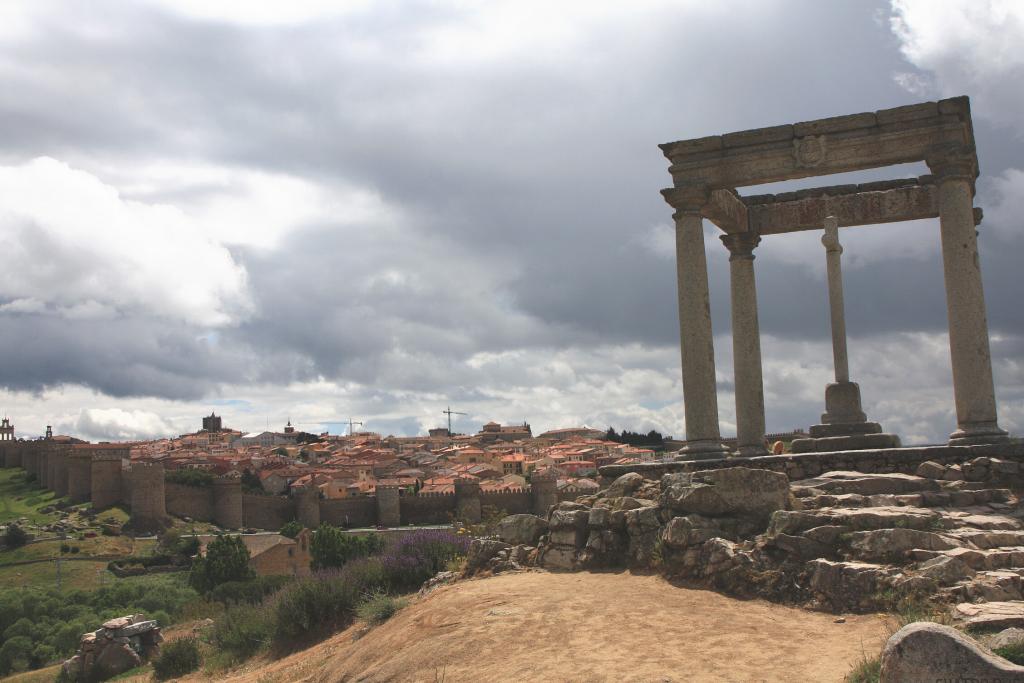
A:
(839, 482)
(957, 498)
(894, 545)
(979, 520)
(986, 539)
(997, 558)
(990, 615)
(793, 522)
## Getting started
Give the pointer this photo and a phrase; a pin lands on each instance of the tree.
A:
(291, 529)
(15, 536)
(251, 482)
(332, 547)
(226, 559)
(15, 655)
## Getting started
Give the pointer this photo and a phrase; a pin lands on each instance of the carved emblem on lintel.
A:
(809, 151)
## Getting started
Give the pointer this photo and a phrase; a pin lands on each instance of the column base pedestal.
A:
(848, 442)
(750, 452)
(711, 449)
(973, 435)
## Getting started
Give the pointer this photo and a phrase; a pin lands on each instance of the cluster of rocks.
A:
(119, 645)
(843, 540)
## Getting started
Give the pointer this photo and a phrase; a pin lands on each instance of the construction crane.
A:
(350, 422)
(449, 412)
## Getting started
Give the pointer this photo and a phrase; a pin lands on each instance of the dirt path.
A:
(538, 626)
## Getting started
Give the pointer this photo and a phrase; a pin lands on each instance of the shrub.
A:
(310, 609)
(332, 548)
(15, 654)
(15, 536)
(291, 529)
(242, 631)
(226, 559)
(416, 557)
(190, 477)
(1013, 652)
(177, 658)
(377, 607)
(250, 592)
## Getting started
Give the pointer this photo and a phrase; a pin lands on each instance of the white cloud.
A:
(79, 247)
(241, 206)
(972, 47)
(116, 424)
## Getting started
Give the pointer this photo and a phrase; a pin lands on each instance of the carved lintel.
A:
(726, 210)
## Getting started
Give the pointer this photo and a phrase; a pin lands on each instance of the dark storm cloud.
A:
(123, 357)
(525, 183)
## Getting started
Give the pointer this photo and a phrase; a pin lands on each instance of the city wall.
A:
(189, 501)
(103, 475)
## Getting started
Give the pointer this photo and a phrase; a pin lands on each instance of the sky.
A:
(316, 210)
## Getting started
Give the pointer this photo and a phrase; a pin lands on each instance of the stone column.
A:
(965, 300)
(746, 344)
(700, 394)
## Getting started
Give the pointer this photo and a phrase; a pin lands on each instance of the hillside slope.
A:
(538, 626)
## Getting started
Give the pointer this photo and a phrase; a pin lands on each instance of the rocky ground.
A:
(843, 541)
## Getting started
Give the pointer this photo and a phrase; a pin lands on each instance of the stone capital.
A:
(954, 162)
(687, 199)
(741, 245)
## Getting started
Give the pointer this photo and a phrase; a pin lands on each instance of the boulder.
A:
(931, 470)
(600, 518)
(624, 485)
(569, 519)
(1006, 637)
(945, 570)
(733, 491)
(847, 585)
(682, 532)
(558, 557)
(481, 551)
(114, 659)
(924, 651)
(521, 529)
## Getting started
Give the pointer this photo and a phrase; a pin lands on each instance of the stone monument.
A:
(705, 174)
(844, 424)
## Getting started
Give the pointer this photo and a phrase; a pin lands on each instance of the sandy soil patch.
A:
(537, 626)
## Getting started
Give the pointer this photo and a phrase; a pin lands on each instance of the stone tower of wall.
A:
(10, 454)
(43, 467)
(467, 500)
(149, 511)
(79, 477)
(105, 477)
(308, 507)
(227, 502)
(389, 506)
(59, 477)
(544, 491)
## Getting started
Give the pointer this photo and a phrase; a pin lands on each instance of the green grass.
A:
(87, 547)
(20, 498)
(1013, 652)
(74, 575)
(865, 671)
